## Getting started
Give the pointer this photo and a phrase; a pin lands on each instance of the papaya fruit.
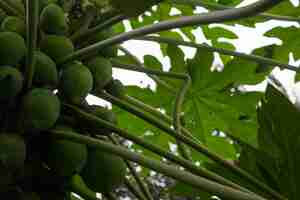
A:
(53, 21)
(12, 151)
(12, 48)
(11, 83)
(108, 52)
(56, 47)
(133, 8)
(41, 109)
(44, 3)
(103, 171)
(76, 82)
(45, 71)
(66, 158)
(101, 69)
(104, 114)
(14, 24)
(116, 88)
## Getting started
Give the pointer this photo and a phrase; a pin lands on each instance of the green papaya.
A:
(65, 157)
(53, 21)
(12, 151)
(12, 48)
(108, 52)
(116, 88)
(56, 47)
(45, 71)
(14, 24)
(41, 109)
(11, 83)
(133, 8)
(44, 3)
(103, 171)
(101, 69)
(76, 82)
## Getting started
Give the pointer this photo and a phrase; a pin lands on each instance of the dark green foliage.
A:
(64, 157)
(56, 47)
(12, 48)
(14, 24)
(11, 82)
(103, 172)
(115, 88)
(52, 20)
(45, 72)
(133, 8)
(76, 82)
(2, 15)
(41, 109)
(12, 151)
(101, 69)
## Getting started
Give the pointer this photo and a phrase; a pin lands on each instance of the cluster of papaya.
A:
(33, 163)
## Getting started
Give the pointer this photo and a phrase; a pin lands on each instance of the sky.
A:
(242, 44)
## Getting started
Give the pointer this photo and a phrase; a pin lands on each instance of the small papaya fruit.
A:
(11, 82)
(133, 8)
(101, 69)
(108, 52)
(116, 88)
(12, 151)
(103, 171)
(12, 48)
(56, 47)
(53, 21)
(45, 71)
(76, 82)
(41, 109)
(65, 157)
(14, 24)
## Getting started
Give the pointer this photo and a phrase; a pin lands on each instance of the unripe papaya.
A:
(65, 157)
(11, 83)
(103, 172)
(116, 88)
(12, 48)
(14, 24)
(108, 52)
(45, 72)
(12, 151)
(56, 47)
(41, 109)
(101, 69)
(53, 20)
(133, 8)
(75, 83)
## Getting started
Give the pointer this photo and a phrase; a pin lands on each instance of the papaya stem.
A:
(171, 171)
(143, 187)
(256, 58)
(184, 21)
(188, 165)
(136, 192)
(217, 6)
(190, 142)
(78, 186)
(32, 18)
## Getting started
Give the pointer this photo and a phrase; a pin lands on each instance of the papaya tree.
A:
(198, 133)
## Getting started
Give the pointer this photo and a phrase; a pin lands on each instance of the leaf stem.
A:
(188, 141)
(216, 6)
(171, 171)
(32, 18)
(188, 165)
(256, 58)
(203, 19)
